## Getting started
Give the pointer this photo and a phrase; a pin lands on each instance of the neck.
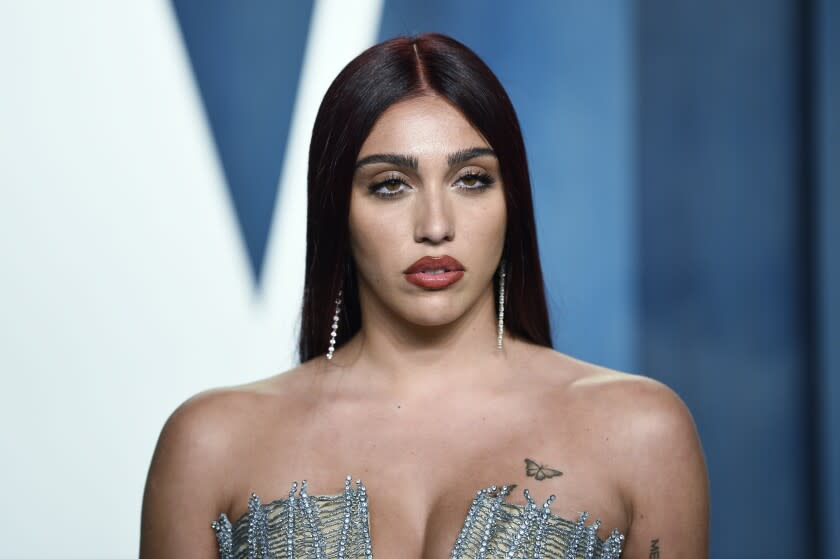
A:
(404, 357)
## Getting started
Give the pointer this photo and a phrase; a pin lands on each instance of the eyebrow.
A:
(463, 155)
(411, 162)
(407, 161)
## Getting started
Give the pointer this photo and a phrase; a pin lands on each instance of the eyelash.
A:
(486, 180)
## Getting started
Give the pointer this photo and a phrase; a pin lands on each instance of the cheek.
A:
(373, 238)
(485, 222)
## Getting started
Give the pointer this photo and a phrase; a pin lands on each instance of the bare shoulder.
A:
(211, 424)
(200, 446)
(185, 486)
(645, 410)
(651, 439)
(205, 424)
(649, 407)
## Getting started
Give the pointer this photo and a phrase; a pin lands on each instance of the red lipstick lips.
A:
(434, 272)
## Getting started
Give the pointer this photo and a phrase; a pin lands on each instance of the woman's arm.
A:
(665, 479)
(185, 482)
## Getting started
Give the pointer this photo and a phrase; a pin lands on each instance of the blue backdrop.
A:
(684, 158)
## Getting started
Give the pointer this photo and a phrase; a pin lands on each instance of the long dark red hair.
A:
(388, 72)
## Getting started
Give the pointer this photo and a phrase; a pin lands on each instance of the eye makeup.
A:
(472, 182)
(475, 180)
(382, 188)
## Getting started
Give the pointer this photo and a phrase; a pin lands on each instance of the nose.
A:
(434, 220)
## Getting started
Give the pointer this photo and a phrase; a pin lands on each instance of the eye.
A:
(390, 187)
(474, 180)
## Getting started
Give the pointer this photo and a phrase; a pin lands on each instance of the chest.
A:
(422, 492)
(423, 466)
(339, 526)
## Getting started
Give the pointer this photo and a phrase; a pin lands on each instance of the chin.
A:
(428, 313)
(431, 321)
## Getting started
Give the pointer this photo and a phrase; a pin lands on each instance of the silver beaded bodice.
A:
(307, 526)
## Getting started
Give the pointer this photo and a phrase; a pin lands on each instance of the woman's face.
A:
(426, 184)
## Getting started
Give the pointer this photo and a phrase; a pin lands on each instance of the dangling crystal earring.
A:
(334, 326)
(501, 321)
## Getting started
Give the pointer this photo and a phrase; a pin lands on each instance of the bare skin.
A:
(420, 404)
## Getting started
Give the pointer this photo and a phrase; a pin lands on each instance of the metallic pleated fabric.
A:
(337, 527)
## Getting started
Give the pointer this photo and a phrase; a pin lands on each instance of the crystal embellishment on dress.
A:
(546, 511)
(590, 540)
(257, 529)
(224, 535)
(338, 527)
(491, 519)
(576, 536)
(612, 547)
(363, 508)
(345, 525)
(524, 527)
(290, 523)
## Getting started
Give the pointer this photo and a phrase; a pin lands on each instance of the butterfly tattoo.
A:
(539, 471)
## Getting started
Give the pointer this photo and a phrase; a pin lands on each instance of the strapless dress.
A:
(307, 526)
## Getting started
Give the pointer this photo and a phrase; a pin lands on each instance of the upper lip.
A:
(427, 263)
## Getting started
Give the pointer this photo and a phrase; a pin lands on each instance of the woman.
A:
(426, 365)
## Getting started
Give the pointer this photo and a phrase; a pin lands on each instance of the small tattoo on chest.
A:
(540, 471)
(654, 549)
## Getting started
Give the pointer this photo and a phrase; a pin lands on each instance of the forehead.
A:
(427, 124)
